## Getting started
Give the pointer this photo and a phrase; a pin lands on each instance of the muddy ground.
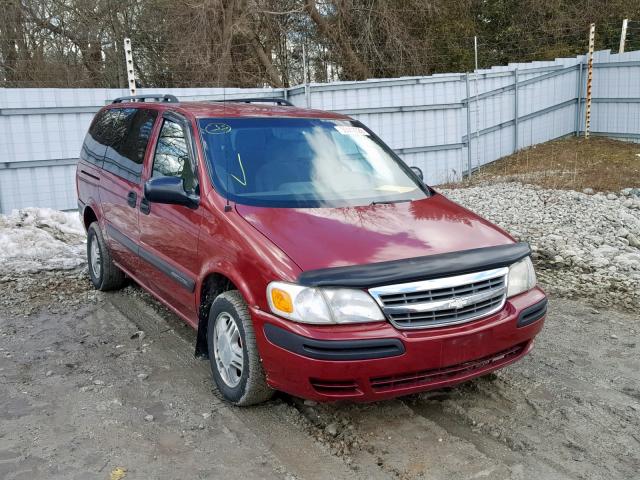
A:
(82, 393)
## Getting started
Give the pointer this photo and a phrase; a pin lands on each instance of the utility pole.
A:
(623, 35)
(592, 38)
(128, 56)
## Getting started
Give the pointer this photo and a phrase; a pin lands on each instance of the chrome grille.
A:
(443, 301)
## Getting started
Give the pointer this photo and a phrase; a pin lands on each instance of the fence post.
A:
(515, 111)
(579, 97)
(128, 56)
(587, 105)
(475, 78)
(466, 78)
(623, 35)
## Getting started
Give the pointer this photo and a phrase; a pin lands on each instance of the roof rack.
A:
(276, 100)
(142, 98)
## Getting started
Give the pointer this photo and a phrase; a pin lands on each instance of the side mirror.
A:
(418, 172)
(169, 190)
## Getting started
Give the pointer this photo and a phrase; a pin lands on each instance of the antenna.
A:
(227, 206)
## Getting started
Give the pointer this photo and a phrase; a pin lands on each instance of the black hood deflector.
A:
(418, 268)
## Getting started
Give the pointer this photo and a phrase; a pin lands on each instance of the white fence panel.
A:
(444, 124)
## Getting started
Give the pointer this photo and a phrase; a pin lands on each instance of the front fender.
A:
(231, 247)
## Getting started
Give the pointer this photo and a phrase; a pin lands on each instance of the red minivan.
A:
(308, 256)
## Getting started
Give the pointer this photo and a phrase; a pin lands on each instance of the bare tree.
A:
(259, 42)
(353, 66)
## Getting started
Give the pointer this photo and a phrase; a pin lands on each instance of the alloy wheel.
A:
(95, 257)
(227, 349)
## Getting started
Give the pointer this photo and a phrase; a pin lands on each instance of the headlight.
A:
(522, 277)
(322, 306)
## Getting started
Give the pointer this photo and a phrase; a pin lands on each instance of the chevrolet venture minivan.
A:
(308, 256)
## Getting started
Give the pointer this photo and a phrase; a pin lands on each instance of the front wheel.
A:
(233, 354)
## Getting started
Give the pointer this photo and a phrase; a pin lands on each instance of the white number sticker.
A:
(351, 130)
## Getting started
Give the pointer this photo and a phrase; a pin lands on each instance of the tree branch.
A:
(356, 69)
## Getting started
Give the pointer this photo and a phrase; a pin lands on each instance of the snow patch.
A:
(37, 239)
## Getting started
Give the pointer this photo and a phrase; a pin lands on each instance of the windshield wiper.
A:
(388, 202)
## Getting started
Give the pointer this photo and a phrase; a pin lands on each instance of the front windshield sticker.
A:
(217, 128)
(395, 188)
(349, 130)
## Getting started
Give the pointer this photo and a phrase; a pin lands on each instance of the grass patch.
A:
(568, 164)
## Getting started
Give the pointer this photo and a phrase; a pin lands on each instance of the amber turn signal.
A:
(281, 300)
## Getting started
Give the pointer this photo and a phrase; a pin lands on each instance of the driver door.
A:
(169, 233)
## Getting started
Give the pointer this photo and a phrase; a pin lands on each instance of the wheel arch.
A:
(213, 284)
(88, 217)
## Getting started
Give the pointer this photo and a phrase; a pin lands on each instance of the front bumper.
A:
(340, 362)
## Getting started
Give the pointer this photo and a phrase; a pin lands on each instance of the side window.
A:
(172, 155)
(95, 142)
(128, 136)
(134, 145)
(112, 132)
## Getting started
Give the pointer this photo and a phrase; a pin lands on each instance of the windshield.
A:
(303, 162)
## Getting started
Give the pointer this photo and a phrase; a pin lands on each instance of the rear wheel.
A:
(235, 363)
(103, 272)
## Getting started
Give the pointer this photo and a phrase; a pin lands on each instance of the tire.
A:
(240, 386)
(103, 272)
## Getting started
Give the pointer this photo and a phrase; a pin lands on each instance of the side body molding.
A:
(178, 276)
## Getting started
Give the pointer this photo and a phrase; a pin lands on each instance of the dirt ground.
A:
(599, 163)
(85, 393)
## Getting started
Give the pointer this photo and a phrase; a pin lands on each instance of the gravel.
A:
(583, 244)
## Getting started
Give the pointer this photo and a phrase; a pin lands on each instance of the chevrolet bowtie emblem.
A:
(458, 302)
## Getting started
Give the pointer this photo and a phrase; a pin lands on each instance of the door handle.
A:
(145, 206)
(132, 197)
(90, 175)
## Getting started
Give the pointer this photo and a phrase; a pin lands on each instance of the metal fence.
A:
(445, 124)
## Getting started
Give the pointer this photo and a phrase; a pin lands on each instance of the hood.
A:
(333, 237)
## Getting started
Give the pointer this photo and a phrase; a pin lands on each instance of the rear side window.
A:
(96, 141)
(127, 137)
(172, 155)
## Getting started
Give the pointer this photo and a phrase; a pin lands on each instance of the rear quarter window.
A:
(95, 141)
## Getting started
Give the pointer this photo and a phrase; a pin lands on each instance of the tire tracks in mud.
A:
(276, 425)
(492, 432)
(554, 419)
(552, 415)
(569, 410)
